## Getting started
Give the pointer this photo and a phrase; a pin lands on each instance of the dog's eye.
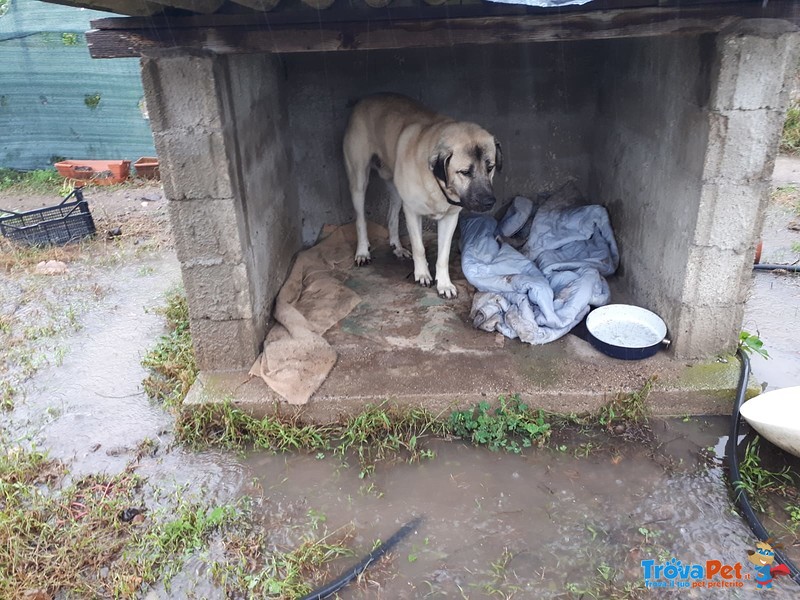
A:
(490, 168)
(466, 173)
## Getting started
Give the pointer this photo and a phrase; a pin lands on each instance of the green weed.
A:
(57, 540)
(57, 537)
(42, 181)
(157, 553)
(757, 481)
(7, 394)
(70, 39)
(255, 567)
(172, 365)
(790, 137)
(750, 343)
(221, 424)
(499, 585)
(512, 426)
(629, 408)
(381, 432)
(92, 101)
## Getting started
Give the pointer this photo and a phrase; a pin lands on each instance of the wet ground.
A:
(572, 520)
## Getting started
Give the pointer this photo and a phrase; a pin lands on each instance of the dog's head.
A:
(464, 162)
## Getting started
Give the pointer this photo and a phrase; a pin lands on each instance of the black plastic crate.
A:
(60, 224)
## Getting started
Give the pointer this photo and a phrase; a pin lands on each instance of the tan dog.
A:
(434, 167)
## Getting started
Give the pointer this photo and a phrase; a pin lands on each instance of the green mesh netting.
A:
(58, 102)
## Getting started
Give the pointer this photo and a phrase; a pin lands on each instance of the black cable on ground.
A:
(766, 267)
(352, 573)
(739, 494)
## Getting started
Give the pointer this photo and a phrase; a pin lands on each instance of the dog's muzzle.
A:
(486, 204)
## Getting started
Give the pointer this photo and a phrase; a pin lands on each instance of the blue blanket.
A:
(538, 293)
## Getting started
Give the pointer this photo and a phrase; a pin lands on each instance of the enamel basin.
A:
(776, 416)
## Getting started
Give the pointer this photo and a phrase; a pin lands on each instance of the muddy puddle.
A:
(534, 526)
(773, 304)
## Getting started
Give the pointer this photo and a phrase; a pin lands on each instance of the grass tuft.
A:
(757, 481)
(224, 425)
(42, 181)
(72, 541)
(790, 137)
(630, 409)
(253, 564)
(382, 432)
(172, 365)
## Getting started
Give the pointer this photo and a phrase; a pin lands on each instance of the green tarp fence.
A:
(55, 100)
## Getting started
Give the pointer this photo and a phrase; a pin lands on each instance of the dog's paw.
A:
(363, 258)
(448, 290)
(424, 279)
(400, 252)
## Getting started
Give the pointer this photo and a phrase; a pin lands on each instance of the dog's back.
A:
(375, 126)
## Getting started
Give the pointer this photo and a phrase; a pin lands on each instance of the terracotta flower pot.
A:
(147, 168)
(99, 172)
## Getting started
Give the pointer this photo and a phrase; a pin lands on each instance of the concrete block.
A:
(206, 229)
(703, 331)
(181, 92)
(217, 291)
(742, 145)
(755, 60)
(713, 276)
(225, 345)
(194, 164)
(728, 215)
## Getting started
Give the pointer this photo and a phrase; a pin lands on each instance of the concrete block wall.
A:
(650, 144)
(686, 139)
(754, 64)
(231, 207)
(266, 176)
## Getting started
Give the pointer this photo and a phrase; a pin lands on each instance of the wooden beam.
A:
(377, 35)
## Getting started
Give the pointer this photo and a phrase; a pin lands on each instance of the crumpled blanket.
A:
(296, 358)
(541, 292)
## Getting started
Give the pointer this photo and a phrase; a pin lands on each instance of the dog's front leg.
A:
(445, 230)
(414, 225)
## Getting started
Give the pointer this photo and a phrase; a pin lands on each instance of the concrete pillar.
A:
(750, 88)
(204, 135)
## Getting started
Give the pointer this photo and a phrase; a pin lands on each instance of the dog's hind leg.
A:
(395, 204)
(358, 175)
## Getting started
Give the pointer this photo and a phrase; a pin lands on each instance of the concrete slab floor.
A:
(404, 344)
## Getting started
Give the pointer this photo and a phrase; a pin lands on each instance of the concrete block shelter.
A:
(669, 113)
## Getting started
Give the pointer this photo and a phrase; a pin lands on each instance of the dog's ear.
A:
(438, 163)
(498, 156)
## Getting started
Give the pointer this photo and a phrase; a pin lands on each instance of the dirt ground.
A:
(572, 520)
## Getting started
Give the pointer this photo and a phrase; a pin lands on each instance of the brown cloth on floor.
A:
(296, 358)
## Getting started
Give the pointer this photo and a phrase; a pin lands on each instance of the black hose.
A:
(739, 494)
(352, 573)
(766, 267)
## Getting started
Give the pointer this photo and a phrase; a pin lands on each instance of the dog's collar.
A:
(446, 197)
